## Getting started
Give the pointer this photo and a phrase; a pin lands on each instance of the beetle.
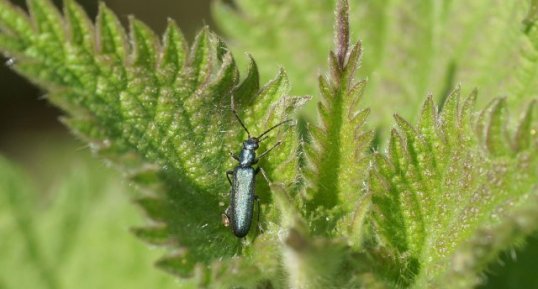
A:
(238, 215)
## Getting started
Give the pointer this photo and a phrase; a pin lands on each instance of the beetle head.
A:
(252, 143)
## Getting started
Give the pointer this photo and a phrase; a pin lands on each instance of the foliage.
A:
(450, 193)
(453, 193)
(412, 48)
(73, 228)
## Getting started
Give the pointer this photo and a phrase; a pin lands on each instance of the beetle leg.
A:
(258, 226)
(228, 173)
(234, 156)
(259, 169)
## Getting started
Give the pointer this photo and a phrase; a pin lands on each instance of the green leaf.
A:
(80, 26)
(447, 200)
(413, 48)
(485, 246)
(173, 56)
(160, 112)
(47, 19)
(451, 192)
(337, 152)
(110, 36)
(14, 21)
(329, 224)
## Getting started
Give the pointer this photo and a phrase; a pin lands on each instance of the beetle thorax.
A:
(247, 157)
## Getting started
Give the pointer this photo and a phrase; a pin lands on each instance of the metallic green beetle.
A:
(242, 196)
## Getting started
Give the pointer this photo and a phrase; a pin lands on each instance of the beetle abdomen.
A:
(242, 201)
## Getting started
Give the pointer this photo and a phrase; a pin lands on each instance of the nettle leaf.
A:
(413, 48)
(449, 194)
(337, 155)
(454, 191)
(161, 113)
(322, 237)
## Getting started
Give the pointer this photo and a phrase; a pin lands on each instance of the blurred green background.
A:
(65, 216)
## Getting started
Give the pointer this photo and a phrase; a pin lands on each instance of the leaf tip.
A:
(342, 31)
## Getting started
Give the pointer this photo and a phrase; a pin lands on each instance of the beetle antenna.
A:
(273, 127)
(237, 116)
(263, 138)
